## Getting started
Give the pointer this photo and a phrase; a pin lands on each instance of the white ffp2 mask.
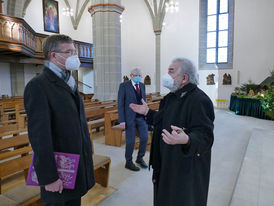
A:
(72, 62)
(168, 81)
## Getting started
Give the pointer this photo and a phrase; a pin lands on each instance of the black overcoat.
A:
(181, 172)
(57, 123)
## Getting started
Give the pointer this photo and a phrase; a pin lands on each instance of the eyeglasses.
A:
(136, 75)
(70, 52)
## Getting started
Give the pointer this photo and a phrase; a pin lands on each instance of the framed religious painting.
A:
(51, 16)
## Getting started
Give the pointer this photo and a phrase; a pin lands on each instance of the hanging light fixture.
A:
(172, 6)
(67, 12)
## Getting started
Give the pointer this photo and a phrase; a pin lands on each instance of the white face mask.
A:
(168, 82)
(72, 62)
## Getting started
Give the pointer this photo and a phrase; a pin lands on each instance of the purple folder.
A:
(67, 166)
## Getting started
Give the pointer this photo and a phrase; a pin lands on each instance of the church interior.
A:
(230, 43)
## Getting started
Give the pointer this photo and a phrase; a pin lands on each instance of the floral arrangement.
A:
(268, 102)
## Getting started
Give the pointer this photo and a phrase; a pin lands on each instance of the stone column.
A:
(157, 13)
(15, 7)
(106, 47)
(158, 60)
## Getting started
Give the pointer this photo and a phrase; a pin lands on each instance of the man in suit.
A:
(57, 123)
(132, 92)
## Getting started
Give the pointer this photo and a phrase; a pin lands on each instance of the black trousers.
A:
(74, 202)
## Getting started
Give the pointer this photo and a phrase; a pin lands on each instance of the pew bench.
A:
(11, 163)
(101, 169)
(15, 157)
(101, 165)
(113, 132)
(95, 115)
(117, 134)
(12, 132)
(96, 124)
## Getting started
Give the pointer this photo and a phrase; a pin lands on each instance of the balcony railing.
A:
(17, 37)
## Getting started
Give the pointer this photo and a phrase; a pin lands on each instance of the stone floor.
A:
(242, 170)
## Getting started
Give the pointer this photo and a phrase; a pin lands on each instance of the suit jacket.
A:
(57, 123)
(126, 96)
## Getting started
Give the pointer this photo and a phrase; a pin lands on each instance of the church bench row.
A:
(113, 132)
(13, 132)
(15, 157)
(150, 96)
(16, 117)
(117, 135)
(95, 115)
(13, 162)
(101, 165)
(98, 103)
(14, 112)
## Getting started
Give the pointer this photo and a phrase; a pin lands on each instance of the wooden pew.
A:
(15, 157)
(95, 116)
(101, 166)
(113, 132)
(7, 126)
(150, 96)
(12, 132)
(20, 115)
(7, 110)
(113, 136)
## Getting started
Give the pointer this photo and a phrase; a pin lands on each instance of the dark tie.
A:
(137, 89)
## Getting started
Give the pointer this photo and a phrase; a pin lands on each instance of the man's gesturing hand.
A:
(177, 136)
(141, 109)
(56, 186)
(123, 125)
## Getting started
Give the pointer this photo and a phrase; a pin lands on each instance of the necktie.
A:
(137, 89)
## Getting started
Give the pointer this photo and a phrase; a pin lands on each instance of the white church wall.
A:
(180, 35)
(253, 42)
(5, 85)
(30, 71)
(253, 39)
(34, 17)
(138, 41)
(253, 45)
(86, 75)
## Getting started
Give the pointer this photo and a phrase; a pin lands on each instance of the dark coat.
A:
(57, 123)
(126, 96)
(181, 172)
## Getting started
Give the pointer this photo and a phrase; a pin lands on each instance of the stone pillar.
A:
(158, 60)
(17, 79)
(15, 8)
(106, 47)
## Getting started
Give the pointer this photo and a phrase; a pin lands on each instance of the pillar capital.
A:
(105, 8)
(158, 32)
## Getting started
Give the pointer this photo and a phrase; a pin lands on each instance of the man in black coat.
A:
(182, 139)
(57, 123)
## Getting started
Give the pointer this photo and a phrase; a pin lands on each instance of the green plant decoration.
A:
(268, 102)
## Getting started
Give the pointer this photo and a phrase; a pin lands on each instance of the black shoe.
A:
(142, 163)
(132, 166)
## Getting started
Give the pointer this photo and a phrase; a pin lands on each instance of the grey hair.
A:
(188, 68)
(52, 43)
(136, 71)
